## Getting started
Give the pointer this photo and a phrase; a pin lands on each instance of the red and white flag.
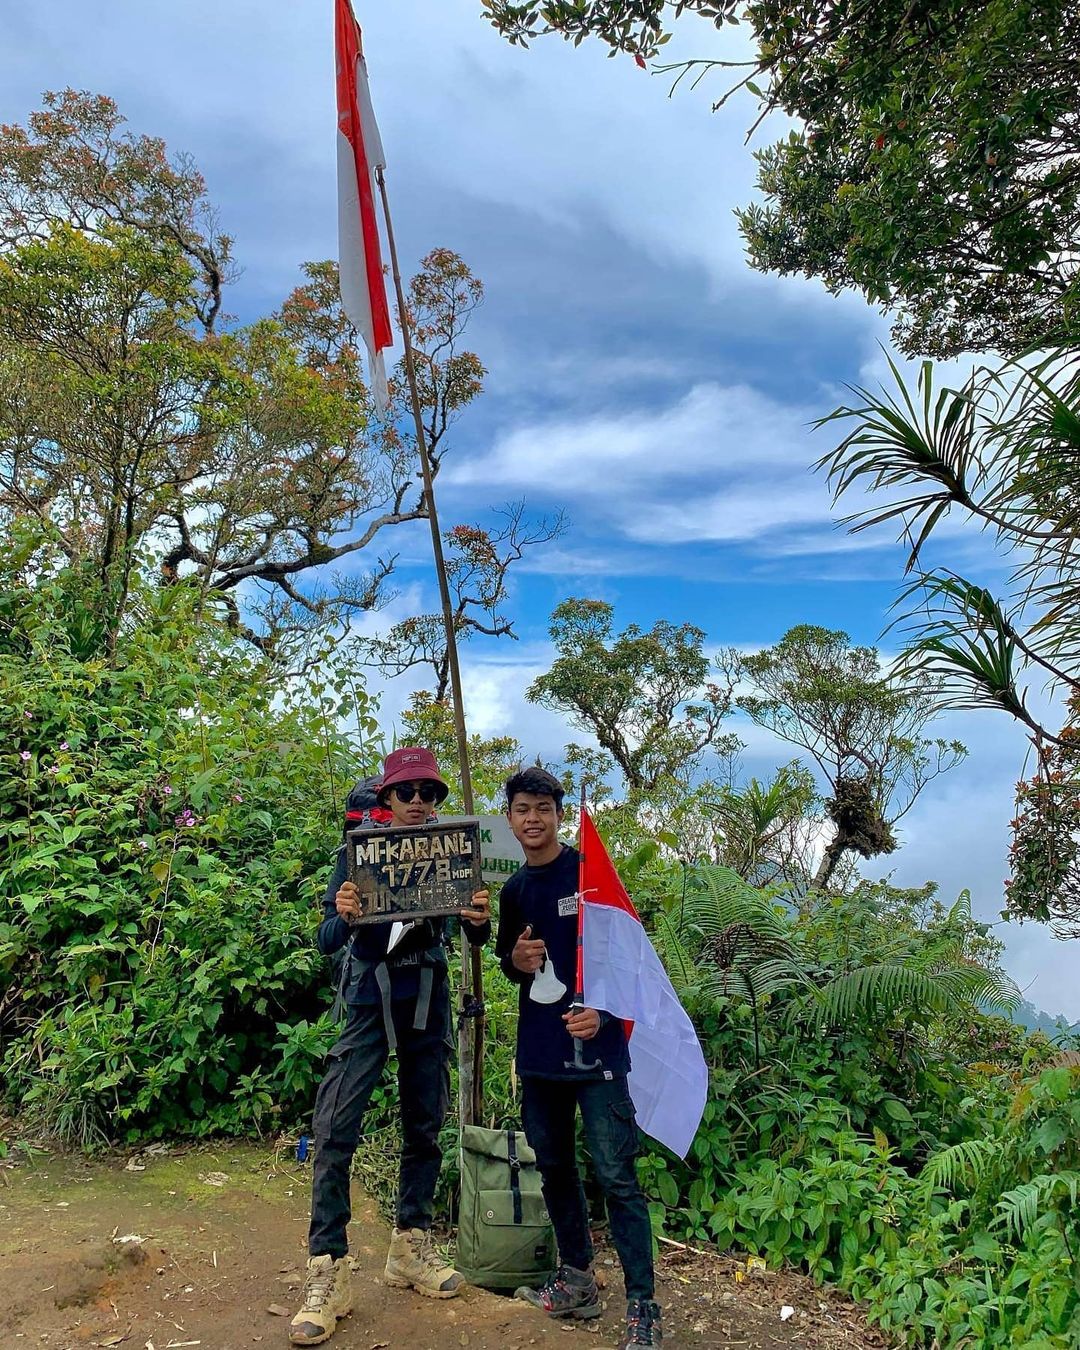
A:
(359, 153)
(622, 974)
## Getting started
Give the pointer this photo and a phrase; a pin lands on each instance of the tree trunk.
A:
(834, 851)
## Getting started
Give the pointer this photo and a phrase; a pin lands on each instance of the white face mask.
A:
(546, 985)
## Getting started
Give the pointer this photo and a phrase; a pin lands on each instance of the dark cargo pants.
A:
(354, 1067)
(548, 1110)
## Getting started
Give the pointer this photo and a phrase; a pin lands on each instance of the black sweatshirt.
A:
(546, 898)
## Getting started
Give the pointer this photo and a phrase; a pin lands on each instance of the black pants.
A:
(607, 1113)
(355, 1065)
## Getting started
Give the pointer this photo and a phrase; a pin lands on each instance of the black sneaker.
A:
(569, 1293)
(643, 1324)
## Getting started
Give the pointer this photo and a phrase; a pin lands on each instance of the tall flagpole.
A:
(578, 1062)
(579, 973)
(471, 1024)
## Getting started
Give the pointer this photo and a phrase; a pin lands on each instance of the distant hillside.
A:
(1027, 1015)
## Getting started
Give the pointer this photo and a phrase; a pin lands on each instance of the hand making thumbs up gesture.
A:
(528, 954)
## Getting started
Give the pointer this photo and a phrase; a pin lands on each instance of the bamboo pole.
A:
(471, 1027)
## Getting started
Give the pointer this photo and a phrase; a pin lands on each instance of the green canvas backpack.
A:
(505, 1238)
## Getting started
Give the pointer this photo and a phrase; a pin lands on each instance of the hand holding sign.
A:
(408, 872)
(347, 902)
(479, 911)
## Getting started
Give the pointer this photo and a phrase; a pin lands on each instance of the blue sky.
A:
(641, 376)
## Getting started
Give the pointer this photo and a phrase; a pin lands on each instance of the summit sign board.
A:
(415, 872)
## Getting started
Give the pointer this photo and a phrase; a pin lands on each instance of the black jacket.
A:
(546, 898)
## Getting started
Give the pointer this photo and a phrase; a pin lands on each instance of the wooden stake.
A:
(470, 1029)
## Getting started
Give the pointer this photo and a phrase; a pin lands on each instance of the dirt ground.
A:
(205, 1247)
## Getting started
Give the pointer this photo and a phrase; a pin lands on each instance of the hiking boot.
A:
(413, 1263)
(643, 1324)
(327, 1296)
(569, 1293)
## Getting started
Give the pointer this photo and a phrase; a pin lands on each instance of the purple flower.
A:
(24, 755)
(55, 768)
(29, 714)
(144, 844)
(237, 797)
(64, 745)
(166, 791)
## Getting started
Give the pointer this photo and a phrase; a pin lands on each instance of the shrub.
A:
(167, 820)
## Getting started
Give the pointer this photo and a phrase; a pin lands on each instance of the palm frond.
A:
(898, 443)
(963, 641)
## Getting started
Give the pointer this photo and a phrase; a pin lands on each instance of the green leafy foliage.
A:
(165, 823)
(870, 1118)
(1001, 451)
(933, 159)
(990, 1256)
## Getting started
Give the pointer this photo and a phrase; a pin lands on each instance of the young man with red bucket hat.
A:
(395, 987)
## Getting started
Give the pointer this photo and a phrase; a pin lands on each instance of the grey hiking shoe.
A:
(569, 1293)
(643, 1324)
(327, 1297)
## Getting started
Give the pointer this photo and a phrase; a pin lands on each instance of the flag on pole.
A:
(359, 154)
(622, 974)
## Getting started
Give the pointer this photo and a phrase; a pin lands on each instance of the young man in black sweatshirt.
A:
(537, 940)
(397, 995)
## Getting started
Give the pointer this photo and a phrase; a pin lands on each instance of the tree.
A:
(765, 830)
(478, 565)
(106, 399)
(74, 163)
(1002, 452)
(492, 759)
(861, 726)
(134, 434)
(645, 696)
(935, 163)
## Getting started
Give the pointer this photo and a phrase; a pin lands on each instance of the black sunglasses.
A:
(405, 792)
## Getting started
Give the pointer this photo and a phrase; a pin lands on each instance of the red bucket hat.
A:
(408, 765)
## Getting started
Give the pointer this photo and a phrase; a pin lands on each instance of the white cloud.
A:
(564, 134)
(721, 463)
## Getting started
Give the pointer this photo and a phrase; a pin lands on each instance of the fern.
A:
(870, 988)
(968, 1159)
(676, 957)
(1020, 1207)
(722, 899)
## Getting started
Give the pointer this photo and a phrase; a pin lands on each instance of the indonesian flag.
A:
(359, 154)
(622, 974)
